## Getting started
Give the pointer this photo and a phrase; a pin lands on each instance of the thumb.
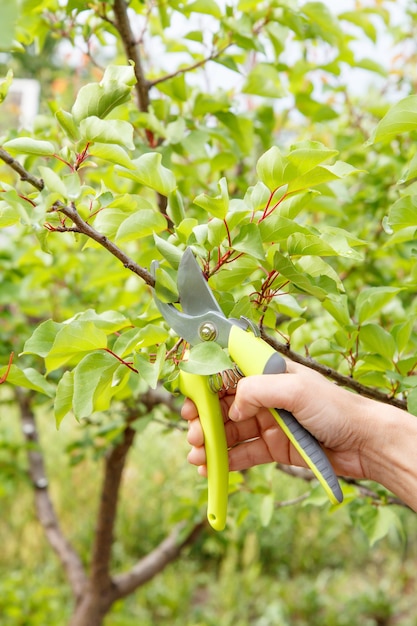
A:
(263, 391)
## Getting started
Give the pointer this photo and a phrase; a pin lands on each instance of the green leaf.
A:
(66, 121)
(27, 145)
(140, 224)
(299, 280)
(270, 168)
(278, 228)
(307, 155)
(170, 252)
(8, 215)
(206, 359)
(42, 339)
(321, 174)
(249, 241)
(116, 132)
(257, 197)
(28, 378)
(412, 401)
(112, 153)
(264, 80)
(63, 397)
(150, 371)
(135, 338)
(175, 207)
(403, 213)
(376, 339)
(5, 83)
(165, 286)
(9, 13)
(207, 7)
(100, 99)
(372, 300)
(73, 340)
(218, 205)
(378, 521)
(300, 244)
(53, 182)
(92, 370)
(266, 509)
(338, 308)
(401, 118)
(149, 171)
(108, 321)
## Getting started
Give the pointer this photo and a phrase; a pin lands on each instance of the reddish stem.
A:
(7, 372)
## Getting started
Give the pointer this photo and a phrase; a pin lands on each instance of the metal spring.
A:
(223, 381)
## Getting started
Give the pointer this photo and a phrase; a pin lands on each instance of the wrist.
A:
(388, 450)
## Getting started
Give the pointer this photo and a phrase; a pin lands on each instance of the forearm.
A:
(389, 450)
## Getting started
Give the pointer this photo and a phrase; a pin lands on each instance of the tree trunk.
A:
(91, 609)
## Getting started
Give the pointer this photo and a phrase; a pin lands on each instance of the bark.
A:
(103, 541)
(44, 507)
(132, 51)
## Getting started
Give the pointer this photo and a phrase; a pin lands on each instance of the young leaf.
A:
(27, 145)
(66, 121)
(63, 397)
(378, 340)
(28, 378)
(100, 99)
(171, 253)
(140, 224)
(53, 182)
(116, 132)
(90, 371)
(218, 205)
(74, 340)
(149, 171)
(150, 370)
(42, 339)
(5, 83)
(371, 301)
(249, 241)
(206, 359)
(112, 153)
(401, 118)
(270, 168)
(264, 80)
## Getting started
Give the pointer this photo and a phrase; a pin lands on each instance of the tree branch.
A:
(122, 25)
(154, 562)
(85, 228)
(307, 475)
(184, 70)
(103, 542)
(25, 176)
(333, 374)
(45, 510)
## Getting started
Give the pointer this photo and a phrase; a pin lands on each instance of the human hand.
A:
(333, 415)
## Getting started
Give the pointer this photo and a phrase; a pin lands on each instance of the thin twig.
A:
(190, 68)
(25, 176)
(85, 228)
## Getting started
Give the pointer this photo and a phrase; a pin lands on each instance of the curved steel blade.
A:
(196, 297)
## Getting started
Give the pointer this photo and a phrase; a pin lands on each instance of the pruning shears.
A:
(201, 319)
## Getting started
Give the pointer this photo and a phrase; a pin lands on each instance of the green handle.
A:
(207, 402)
(254, 356)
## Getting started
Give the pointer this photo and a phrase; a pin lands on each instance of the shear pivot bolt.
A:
(207, 331)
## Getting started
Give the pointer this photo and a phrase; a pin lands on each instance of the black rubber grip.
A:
(319, 463)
